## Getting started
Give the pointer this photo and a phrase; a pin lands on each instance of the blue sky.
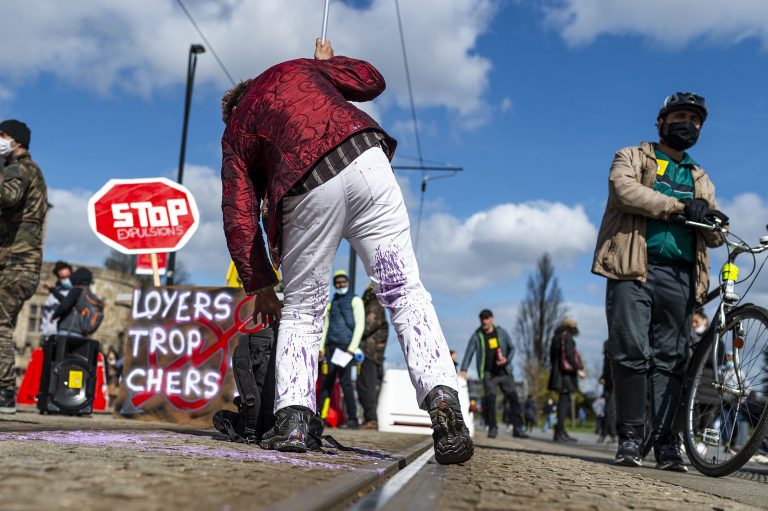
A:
(532, 98)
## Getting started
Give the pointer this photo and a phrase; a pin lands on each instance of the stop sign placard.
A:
(142, 216)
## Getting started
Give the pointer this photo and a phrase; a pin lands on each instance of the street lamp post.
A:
(194, 50)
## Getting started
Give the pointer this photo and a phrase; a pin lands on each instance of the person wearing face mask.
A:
(63, 271)
(343, 327)
(699, 325)
(23, 206)
(657, 271)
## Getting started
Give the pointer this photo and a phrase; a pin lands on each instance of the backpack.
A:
(253, 367)
(90, 311)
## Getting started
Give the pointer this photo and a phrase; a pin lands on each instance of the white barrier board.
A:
(398, 411)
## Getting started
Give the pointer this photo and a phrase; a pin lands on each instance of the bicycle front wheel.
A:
(725, 423)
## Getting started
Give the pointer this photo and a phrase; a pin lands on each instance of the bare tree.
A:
(539, 313)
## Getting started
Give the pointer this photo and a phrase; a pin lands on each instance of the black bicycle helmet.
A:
(687, 100)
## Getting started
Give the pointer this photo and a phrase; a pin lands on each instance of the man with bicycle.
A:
(657, 271)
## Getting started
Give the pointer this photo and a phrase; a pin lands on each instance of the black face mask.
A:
(681, 135)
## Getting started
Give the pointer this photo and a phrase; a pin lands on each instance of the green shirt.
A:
(670, 242)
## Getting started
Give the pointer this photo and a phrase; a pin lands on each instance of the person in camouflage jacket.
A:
(373, 344)
(23, 206)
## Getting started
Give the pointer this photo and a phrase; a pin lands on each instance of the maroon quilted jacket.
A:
(290, 116)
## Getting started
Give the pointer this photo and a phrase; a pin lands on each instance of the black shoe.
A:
(519, 433)
(291, 430)
(601, 439)
(569, 437)
(350, 424)
(7, 401)
(668, 458)
(450, 434)
(560, 438)
(629, 454)
(493, 432)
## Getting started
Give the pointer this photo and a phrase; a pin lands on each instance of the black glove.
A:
(696, 210)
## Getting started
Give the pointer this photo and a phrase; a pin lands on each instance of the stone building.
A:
(113, 287)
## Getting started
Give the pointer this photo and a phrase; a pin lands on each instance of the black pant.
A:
(609, 422)
(507, 384)
(563, 409)
(345, 378)
(649, 329)
(368, 386)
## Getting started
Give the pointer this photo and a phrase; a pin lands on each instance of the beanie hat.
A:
(82, 277)
(18, 130)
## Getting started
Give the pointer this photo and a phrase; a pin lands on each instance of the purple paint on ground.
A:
(153, 442)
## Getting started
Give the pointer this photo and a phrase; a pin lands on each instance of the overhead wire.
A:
(207, 43)
(415, 124)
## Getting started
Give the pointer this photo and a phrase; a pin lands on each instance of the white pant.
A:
(363, 204)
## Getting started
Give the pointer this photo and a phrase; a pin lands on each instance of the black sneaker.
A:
(450, 434)
(7, 401)
(493, 432)
(519, 433)
(629, 454)
(350, 424)
(668, 458)
(291, 430)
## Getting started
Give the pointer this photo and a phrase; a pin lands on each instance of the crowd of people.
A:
(329, 177)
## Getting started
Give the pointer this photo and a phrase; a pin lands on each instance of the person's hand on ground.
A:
(323, 51)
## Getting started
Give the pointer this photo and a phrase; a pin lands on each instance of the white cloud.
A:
(673, 23)
(506, 105)
(141, 46)
(495, 246)
(68, 235)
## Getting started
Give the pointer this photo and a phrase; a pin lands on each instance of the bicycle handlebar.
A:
(718, 226)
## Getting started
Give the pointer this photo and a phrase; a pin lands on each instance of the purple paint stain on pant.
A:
(417, 330)
(388, 271)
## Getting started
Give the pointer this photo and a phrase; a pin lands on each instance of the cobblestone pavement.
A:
(70, 463)
(515, 474)
(101, 462)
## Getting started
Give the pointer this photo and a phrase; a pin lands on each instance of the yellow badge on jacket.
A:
(661, 167)
(493, 343)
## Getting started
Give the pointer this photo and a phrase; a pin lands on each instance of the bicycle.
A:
(711, 449)
(723, 416)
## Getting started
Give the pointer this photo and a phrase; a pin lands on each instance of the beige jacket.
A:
(621, 246)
